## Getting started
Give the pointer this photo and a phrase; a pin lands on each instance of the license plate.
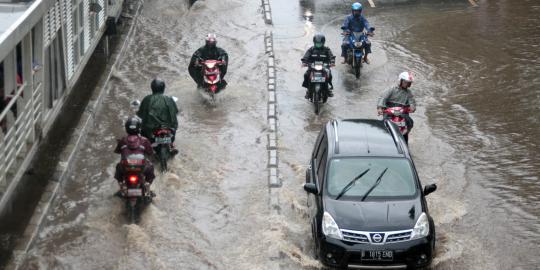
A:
(318, 79)
(163, 140)
(378, 255)
(135, 192)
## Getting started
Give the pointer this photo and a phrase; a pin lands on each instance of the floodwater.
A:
(478, 88)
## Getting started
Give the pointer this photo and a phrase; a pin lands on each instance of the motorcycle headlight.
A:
(421, 228)
(358, 44)
(330, 227)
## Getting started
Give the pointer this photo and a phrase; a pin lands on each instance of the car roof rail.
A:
(336, 140)
(394, 134)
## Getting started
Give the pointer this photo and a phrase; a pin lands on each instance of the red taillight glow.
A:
(133, 179)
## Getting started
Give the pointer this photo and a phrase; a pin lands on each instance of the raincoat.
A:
(157, 110)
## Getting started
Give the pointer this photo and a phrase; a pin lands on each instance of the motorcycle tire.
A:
(163, 157)
(131, 211)
(357, 66)
(316, 98)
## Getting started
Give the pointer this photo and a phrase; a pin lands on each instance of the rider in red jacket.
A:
(131, 144)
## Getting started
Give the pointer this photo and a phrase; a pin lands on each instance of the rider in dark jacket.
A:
(158, 110)
(356, 23)
(318, 52)
(208, 52)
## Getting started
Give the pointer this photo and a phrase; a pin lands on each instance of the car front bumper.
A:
(408, 254)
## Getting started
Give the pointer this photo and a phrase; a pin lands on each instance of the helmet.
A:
(211, 40)
(318, 40)
(356, 9)
(133, 126)
(157, 85)
(405, 77)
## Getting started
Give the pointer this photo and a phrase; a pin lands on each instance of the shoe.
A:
(330, 86)
(366, 61)
(330, 93)
(174, 151)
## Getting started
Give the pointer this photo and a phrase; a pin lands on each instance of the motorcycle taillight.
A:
(133, 179)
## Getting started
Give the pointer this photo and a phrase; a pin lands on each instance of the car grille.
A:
(353, 236)
(398, 237)
(363, 237)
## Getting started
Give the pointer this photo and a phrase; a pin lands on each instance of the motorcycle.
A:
(134, 188)
(318, 83)
(161, 139)
(395, 114)
(212, 76)
(355, 52)
(162, 143)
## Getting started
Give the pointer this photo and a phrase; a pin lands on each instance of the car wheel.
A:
(316, 247)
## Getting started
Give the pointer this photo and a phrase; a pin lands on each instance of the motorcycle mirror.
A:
(371, 29)
(136, 103)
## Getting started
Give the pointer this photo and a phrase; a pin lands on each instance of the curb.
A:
(63, 169)
(267, 11)
(274, 180)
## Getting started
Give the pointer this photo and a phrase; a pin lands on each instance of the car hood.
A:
(374, 215)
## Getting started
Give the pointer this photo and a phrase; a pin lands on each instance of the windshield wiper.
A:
(374, 185)
(350, 184)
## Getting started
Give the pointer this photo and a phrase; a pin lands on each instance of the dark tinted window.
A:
(397, 181)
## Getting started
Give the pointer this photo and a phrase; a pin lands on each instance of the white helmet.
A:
(406, 76)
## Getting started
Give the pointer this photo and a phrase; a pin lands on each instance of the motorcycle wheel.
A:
(163, 156)
(131, 211)
(358, 64)
(316, 98)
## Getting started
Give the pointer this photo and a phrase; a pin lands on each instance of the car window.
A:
(398, 181)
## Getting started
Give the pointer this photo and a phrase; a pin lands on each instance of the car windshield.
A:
(397, 181)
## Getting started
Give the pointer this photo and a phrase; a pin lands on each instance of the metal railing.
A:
(18, 130)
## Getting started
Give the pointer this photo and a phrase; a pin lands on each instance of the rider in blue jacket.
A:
(355, 23)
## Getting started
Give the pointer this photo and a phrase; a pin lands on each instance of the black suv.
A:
(366, 203)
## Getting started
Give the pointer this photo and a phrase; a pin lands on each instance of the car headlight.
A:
(421, 229)
(330, 227)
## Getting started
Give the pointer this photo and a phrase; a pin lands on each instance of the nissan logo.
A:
(377, 238)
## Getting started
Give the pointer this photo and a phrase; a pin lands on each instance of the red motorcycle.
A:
(395, 114)
(134, 188)
(212, 76)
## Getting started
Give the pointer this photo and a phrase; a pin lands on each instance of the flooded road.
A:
(475, 134)
(476, 130)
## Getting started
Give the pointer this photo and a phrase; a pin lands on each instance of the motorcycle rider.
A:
(134, 143)
(208, 52)
(355, 23)
(318, 52)
(399, 96)
(158, 110)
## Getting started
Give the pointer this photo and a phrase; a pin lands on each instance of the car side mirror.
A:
(429, 189)
(371, 29)
(311, 188)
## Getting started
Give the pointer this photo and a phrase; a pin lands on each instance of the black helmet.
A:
(318, 40)
(133, 126)
(157, 85)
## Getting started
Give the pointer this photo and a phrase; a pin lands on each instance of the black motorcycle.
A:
(318, 83)
(162, 143)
